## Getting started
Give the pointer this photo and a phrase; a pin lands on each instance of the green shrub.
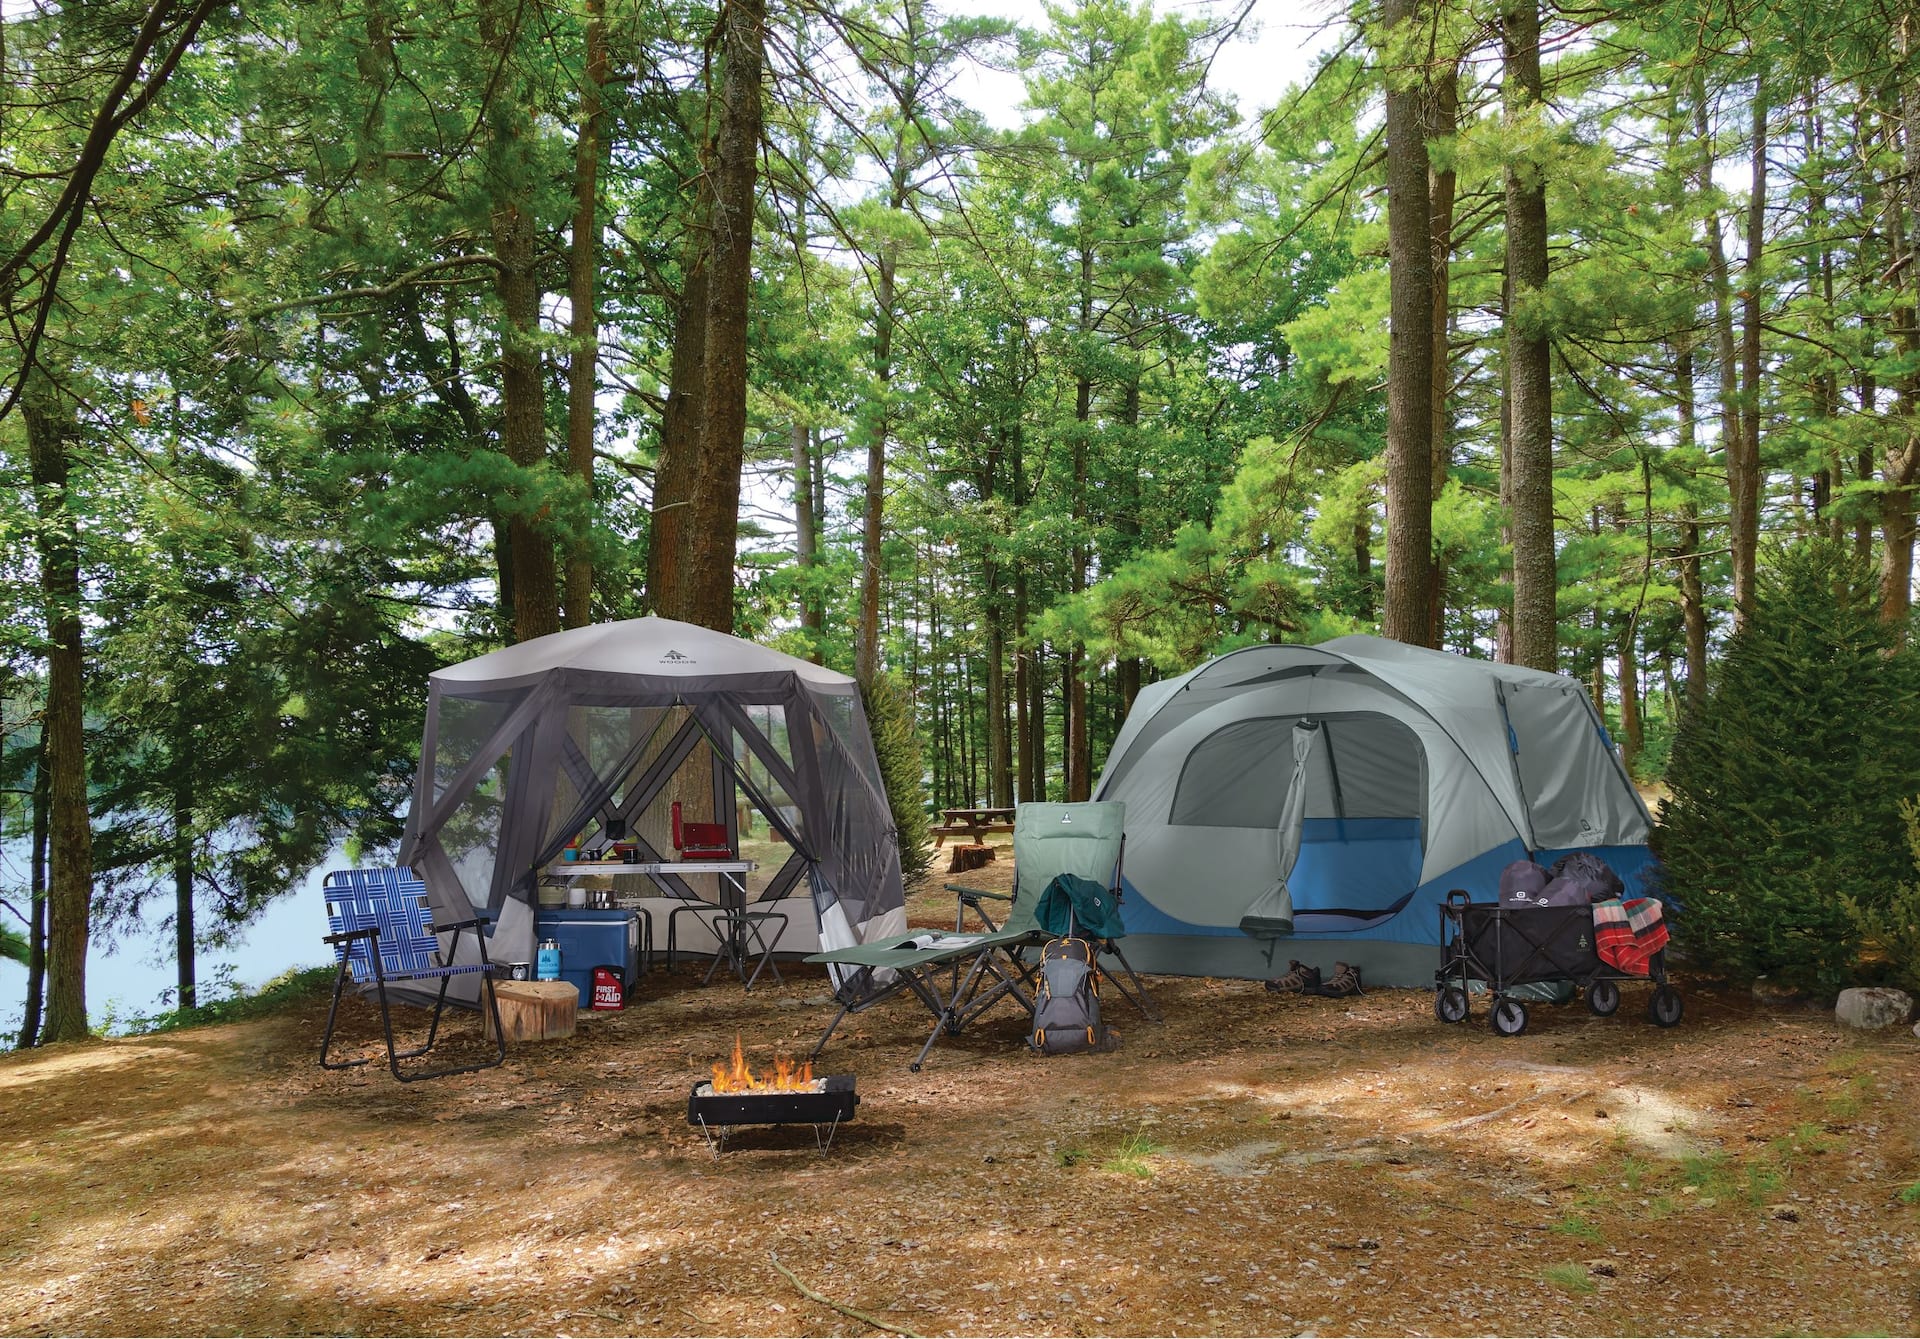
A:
(1786, 784)
(897, 745)
(1893, 925)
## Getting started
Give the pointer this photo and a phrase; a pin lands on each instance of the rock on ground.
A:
(1873, 1007)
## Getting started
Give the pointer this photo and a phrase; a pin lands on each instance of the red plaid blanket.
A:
(1627, 934)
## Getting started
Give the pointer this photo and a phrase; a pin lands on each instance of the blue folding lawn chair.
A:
(383, 934)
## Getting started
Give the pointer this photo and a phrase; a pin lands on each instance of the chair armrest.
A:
(463, 925)
(346, 936)
(972, 894)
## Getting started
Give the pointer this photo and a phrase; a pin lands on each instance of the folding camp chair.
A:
(961, 975)
(1086, 840)
(384, 935)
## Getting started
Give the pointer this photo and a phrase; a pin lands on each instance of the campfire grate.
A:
(717, 1114)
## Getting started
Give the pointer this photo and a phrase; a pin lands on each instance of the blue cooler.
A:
(590, 939)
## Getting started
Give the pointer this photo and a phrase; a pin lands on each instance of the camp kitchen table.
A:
(738, 929)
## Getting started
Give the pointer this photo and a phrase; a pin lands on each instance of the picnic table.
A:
(973, 823)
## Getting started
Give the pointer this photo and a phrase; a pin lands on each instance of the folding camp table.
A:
(740, 931)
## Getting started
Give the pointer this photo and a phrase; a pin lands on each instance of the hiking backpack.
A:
(1066, 1003)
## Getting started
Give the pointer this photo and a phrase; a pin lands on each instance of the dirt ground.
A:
(1256, 1164)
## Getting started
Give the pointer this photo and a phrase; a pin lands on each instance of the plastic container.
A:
(609, 991)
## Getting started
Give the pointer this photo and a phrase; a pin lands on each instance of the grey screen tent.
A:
(597, 731)
(1318, 802)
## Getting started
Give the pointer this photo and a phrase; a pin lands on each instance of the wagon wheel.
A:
(1603, 997)
(1665, 1006)
(1509, 1017)
(1450, 1004)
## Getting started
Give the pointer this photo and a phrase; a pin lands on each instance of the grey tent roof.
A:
(650, 647)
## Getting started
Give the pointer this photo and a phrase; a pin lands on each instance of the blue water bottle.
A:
(547, 965)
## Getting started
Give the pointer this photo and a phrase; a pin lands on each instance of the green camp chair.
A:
(960, 975)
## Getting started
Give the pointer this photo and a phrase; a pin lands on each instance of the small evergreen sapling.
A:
(1786, 784)
(897, 745)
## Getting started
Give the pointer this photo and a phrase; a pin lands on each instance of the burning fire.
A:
(737, 1078)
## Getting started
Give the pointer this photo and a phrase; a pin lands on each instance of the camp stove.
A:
(734, 1097)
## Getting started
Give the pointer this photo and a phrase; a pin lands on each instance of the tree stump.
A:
(533, 1010)
(965, 858)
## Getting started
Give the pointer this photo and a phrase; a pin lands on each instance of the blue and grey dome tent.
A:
(597, 731)
(1317, 802)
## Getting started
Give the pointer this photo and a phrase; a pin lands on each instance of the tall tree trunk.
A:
(1078, 752)
(523, 391)
(866, 649)
(1693, 600)
(50, 425)
(1902, 466)
(184, 956)
(1445, 116)
(806, 539)
(1719, 283)
(37, 899)
(1743, 464)
(583, 265)
(1632, 735)
(714, 506)
(1536, 584)
(681, 424)
(1408, 604)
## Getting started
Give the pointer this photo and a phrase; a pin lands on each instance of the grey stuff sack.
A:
(1066, 1006)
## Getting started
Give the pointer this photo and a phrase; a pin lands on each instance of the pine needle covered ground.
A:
(1256, 1165)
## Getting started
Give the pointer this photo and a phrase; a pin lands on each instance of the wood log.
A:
(964, 858)
(534, 1010)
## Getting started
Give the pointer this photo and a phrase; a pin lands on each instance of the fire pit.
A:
(734, 1097)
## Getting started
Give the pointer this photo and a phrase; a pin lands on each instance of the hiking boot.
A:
(1345, 981)
(1300, 979)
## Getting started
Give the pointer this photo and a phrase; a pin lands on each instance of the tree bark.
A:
(866, 651)
(806, 538)
(63, 741)
(1408, 612)
(1732, 431)
(1901, 469)
(1632, 734)
(681, 423)
(1743, 464)
(1445, 115)
(523, 391)
(714, 507)
(583, 265)
(1536, 585)
(37, 900)
(1693, 601)
(1078, 752)
(185, 966)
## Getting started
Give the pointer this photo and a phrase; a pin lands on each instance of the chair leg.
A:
(821, 1045)
(1143, 1002)
(333, 1010)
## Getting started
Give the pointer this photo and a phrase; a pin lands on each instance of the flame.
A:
(738, 1078)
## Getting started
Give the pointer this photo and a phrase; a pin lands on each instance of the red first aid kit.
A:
(607, 993)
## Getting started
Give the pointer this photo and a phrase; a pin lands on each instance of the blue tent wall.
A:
(1417, 921)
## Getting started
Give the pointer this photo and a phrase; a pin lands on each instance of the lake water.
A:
(129, 980)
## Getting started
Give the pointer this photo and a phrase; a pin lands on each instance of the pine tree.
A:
(1787, 782)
